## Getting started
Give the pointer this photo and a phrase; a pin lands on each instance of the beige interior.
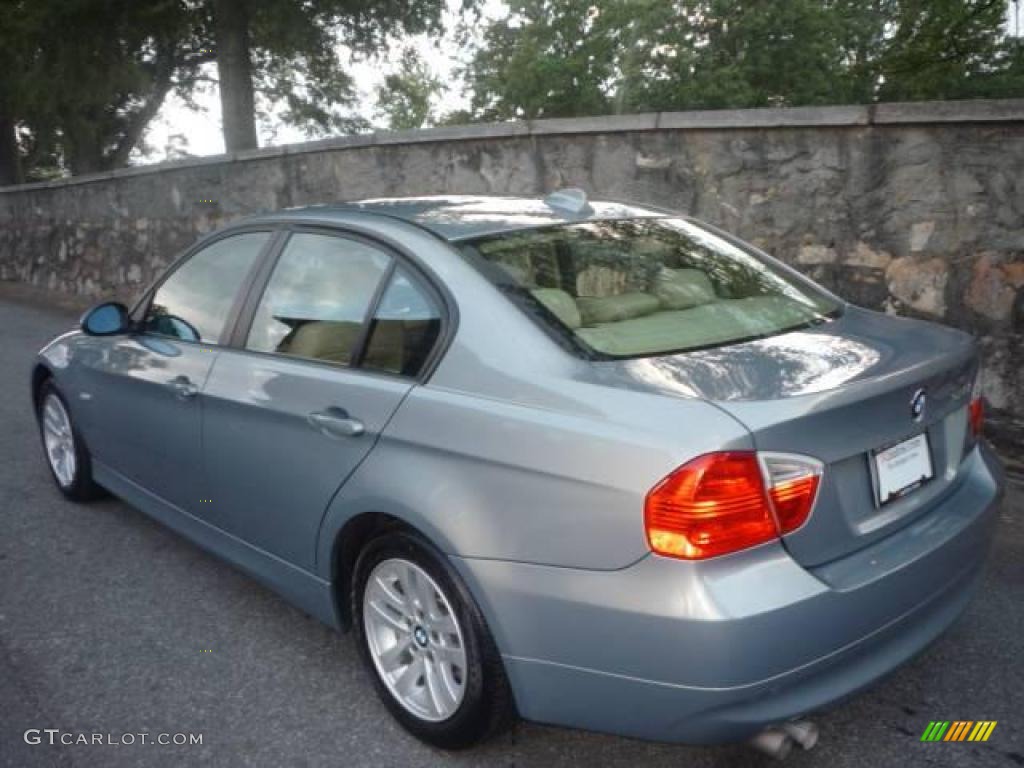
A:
(683, 288)
(612, 309)
(333, 341)
(322, 340)
(639, 323)
(561, 304)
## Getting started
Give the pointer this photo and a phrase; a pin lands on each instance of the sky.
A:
(202, 130)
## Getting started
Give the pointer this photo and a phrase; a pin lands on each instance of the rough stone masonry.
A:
(916, 209)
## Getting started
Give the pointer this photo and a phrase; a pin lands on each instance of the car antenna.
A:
(572, 199)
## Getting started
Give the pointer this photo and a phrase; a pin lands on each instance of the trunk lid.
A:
(837, 392)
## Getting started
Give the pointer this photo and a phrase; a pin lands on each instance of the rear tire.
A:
(426, 644)
(63, 447)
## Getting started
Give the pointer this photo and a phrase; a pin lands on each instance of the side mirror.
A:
(107, 319)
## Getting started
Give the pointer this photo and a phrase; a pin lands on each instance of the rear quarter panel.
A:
(490, 478)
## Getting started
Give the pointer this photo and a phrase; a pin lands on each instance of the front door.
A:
(148, 384)
(325, 364)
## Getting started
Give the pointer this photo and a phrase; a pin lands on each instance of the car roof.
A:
(459, 217)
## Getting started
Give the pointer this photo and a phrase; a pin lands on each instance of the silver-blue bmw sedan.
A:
(588, 463)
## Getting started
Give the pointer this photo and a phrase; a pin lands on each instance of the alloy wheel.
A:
(59, 440)
(414, 639)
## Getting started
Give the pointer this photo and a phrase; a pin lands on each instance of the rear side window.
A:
(316, 301)
(644, 287)
(194, 302)
(404, 328)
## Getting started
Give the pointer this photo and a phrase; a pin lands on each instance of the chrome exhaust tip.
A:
(803, 732)
(773, 742)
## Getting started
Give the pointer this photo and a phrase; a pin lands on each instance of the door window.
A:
(316, 302)
(194, 302)
(404, 327)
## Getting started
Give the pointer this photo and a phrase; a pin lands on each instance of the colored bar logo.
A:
(958, 730)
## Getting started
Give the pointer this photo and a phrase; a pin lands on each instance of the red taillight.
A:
(712, 505)
(976, 416)
(724, 502)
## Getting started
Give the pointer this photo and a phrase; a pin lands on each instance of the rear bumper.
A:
(712, 652)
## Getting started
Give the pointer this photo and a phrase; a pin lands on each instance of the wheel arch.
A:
(349, 541)
(40, 374)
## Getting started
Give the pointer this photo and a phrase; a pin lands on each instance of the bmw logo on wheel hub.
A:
(420, 635)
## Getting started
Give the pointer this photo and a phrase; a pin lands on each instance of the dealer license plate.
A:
(902, 467)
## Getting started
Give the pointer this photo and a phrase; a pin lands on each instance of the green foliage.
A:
(549, 58)
(947, 49)
(82, 79)
(295, 53)
(578, 57)
(404, 99)
(89, 75)
(725, 53)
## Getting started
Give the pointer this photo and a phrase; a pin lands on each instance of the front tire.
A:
(65, 451)
(426, 644)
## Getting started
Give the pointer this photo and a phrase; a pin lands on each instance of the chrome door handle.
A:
(183, 387)
(335, 422)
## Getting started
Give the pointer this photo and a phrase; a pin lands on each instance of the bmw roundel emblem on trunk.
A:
(917, 403)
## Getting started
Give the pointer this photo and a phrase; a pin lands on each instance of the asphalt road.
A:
(111, 624)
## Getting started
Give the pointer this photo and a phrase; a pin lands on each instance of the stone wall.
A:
(908, 208)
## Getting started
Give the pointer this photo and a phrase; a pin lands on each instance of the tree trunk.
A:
(10, 162)
(83, 147)
(231, 25)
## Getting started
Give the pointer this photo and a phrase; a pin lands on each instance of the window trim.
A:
(363, 341)
(425, 285)
(139, 312)
(399, 256)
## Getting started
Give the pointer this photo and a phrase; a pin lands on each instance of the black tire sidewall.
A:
(479, 710)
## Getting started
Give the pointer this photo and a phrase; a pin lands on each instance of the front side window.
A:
(316, 301)
(404, 328)
(193, 303)
(640, 287)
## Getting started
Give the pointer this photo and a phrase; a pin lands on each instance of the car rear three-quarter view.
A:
(594, 464)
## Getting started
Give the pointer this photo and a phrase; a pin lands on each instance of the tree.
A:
(404, 99)
(11, 58)
(579, 57)
(548, 58)
(286, 53)
(89, 75)
(80, 80)
(237, 101)
(945, 49)
(751, 53)
(10, 162)
(572, 57)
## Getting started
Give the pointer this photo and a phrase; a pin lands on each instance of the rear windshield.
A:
(642, 287)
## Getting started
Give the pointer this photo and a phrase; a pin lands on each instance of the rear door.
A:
(323, 356)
